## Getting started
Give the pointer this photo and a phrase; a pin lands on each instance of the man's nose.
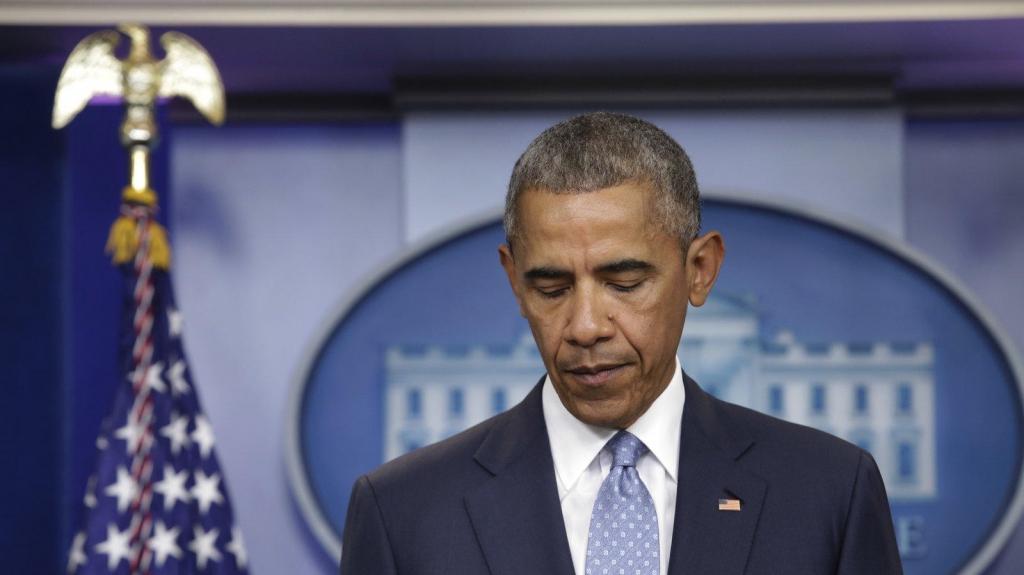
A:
(589, 322)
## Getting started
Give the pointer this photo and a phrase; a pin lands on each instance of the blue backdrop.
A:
(59, 307)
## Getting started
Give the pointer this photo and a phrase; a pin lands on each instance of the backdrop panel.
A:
(965, 199)
(271, 224)
(848, 162)
(276, 225)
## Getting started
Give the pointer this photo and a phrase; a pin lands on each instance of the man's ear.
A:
(507, 262)
(703, 261)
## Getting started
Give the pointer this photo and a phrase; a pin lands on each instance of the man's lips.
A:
(595, 375)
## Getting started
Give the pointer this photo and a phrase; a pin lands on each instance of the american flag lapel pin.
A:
(728, 504)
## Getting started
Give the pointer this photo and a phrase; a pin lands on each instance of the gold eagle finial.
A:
(92, 69)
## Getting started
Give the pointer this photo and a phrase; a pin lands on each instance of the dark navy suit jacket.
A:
(485, 501)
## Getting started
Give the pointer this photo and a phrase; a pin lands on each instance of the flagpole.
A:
(135, 461)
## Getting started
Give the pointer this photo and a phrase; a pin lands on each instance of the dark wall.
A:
(59, 310)
(33, 300)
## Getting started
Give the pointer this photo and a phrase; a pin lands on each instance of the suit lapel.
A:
(516, 515)
(705, 539)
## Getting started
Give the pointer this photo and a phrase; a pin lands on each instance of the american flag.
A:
(158, 503)
(728, 504)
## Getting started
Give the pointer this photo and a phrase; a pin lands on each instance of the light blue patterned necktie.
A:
(623, 536)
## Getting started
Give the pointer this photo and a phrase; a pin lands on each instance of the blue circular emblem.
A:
(811, 321)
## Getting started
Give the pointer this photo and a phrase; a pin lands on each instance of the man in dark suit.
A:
(617, 462)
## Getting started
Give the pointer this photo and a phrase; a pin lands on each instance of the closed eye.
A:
(553, 293)
(626, 288)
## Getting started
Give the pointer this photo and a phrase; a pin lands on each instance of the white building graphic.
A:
(434, 392)
(878, 395)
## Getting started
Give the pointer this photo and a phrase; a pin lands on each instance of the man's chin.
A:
(601, 414)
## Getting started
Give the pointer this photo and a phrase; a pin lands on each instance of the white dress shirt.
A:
(582, 463)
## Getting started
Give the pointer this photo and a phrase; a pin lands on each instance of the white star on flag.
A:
(131, 433)
(155, 447)
(164, 543)
(176, 373)
(205, 490)
(124, 489)
(237, 547)
(177, 432)
(77, 556)
(174, 322)
(204, 545)
(116, 547)
(172, 487)
(203, 435)
(153, 379)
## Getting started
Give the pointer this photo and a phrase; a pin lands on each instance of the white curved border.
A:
(330, 541)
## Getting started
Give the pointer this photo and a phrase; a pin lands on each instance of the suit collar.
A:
(518, 509)
(516, 514)
(707, 415)
(706, 539)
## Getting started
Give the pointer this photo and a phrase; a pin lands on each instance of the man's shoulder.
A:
(449, 460)
(774, 447)
(827, 489)
(773, 430)
(440, 474)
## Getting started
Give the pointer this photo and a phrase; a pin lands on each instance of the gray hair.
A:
(601, 150)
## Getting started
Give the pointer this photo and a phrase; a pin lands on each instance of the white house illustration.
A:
(878, 395)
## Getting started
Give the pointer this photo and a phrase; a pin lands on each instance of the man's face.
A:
(604, 289)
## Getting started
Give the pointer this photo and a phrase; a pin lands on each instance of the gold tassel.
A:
(159, 247)
(122, 247)
(121, 241)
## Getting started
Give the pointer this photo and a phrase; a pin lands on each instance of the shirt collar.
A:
(661, 425)
(575, 444)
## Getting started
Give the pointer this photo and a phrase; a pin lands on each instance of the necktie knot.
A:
(626, 449)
